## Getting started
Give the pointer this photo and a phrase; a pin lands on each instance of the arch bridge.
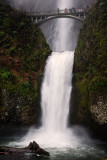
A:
(40, 18)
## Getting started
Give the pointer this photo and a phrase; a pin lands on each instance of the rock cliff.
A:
(90, 71)
(23, 53)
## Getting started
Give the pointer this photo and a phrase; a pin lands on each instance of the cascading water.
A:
(56, 91)
(54, 135)
(57, 86)
(63, 30)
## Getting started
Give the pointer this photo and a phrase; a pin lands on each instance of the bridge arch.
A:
(56, 17)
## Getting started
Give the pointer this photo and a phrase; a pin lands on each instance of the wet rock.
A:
(16, 109)
(36, 148)
(99, 111)
(33, 147)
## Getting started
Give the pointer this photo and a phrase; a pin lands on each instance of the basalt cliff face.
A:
(90, 71)
(23, 53)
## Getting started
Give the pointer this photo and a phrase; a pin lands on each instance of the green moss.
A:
(23, 53)
(83, 106)
(13, 48)
(98, 84)
(2, 33)
(15, 86)
(4, 74)
(14, 32)
(90, 66)
(26, 88)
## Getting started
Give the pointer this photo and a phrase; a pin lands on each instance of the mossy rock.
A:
(90, 66)
(23, 53)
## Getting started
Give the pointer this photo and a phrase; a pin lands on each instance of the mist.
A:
(49, 29)
(39, 5)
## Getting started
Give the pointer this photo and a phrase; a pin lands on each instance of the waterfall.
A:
(54, 135)
(56, 90)
(57, 86)
(55, 98)
(63, 29)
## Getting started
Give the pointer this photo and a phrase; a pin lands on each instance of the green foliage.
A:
(7, 45)
(98, 84)
(36, 33)
(90, 63)
(14, 32)
(45, 51)
(83, 107)
(7, 77)
(22, 43)
(22, 38)
(82, 44)
(2, 33)
(25, 85)
(91, 53)
(102, 4)
(21, 25)
(26, 88)
(23, 53)
(13, 48)
(4, 74)
(13, 84)
(6, 22)
(6, 51)
(12, 51)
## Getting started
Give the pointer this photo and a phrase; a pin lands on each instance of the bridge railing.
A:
(58, 11)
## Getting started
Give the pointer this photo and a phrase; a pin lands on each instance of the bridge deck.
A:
(57, 12)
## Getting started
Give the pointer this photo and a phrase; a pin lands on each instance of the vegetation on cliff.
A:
(90, 68)
(23, 52)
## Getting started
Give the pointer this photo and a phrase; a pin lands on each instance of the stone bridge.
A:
(40, 18)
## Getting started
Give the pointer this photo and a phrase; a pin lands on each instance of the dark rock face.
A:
(99, 111)
(90, 78)
(16, 109)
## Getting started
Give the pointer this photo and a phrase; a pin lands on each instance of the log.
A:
(33, 147)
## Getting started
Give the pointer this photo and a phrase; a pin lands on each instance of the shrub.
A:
(2, 33)
(12, 50)
(98, 84)
(4, 74)
(14, 32)
(26, 88)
